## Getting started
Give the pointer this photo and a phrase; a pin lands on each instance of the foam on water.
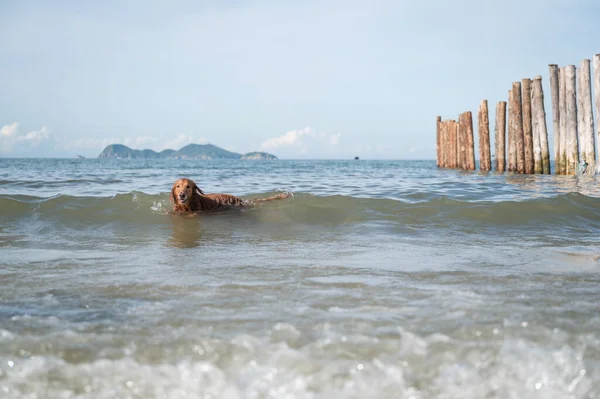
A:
(379, 279)
(319, 363)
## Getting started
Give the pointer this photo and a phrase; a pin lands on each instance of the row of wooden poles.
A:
(528, 147)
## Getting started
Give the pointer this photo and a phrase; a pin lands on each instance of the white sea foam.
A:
(287, 363)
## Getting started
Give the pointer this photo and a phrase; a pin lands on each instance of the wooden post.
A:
(456, 145)
(571, 102)
(470, 141)
(597, 92)
(538, 167)
(527, 128)
(452, 142)
(500, 136)
(483, 127)
(541, 130)
(444, 144)
(582, 145)
(586, 124)
(462, 142)
(438, 148)
(562, 99)
(512, 147)
(554, 90)
(517, 110)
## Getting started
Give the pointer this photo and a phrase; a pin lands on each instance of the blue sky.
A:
(310, 79)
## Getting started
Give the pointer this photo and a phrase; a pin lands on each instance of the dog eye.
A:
(188, 186)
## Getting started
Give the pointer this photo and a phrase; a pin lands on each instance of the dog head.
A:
(183, 191)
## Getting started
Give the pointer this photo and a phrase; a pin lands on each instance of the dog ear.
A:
(198, 190)
(173, 200)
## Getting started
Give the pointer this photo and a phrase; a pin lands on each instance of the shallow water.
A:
(378, 279)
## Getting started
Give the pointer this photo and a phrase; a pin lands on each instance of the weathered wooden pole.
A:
(452, 142)
(541, 131)
(571, 100)
(512, 146)
(562, 101)
(452, 161)
(438, 149)
(527, 128)
(483, 127)
(456, 144)
(462, 142)
(597, 93)
(554, 90)
(517, 110)
(444, 144)
(470, 141)
(538, 167)
(586, 124)
(582, 145)
(500, 136)
(441, 144)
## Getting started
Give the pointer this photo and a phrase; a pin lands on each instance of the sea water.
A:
(378, 279)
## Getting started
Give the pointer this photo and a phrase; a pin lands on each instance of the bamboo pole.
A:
(554, 91)
(597, 93)
(562, 99)
(527, 128)
(586, 124)
(512, 147)
(470, 141)
(517, 110)
(500, 136)
(483, 127)
(571, 101)
(539, 115)
(438, 149)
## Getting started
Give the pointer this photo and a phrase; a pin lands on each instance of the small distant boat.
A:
(356, 158)
(80, 157)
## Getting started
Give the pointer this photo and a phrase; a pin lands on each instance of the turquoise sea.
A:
(378, 279)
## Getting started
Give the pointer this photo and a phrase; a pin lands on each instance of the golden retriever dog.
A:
(188, 197)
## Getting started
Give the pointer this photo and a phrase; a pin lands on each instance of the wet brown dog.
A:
(188, 197)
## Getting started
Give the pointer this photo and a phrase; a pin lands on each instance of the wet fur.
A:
(195, 200)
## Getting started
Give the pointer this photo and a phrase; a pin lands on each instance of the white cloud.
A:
(36, 136)
(291, 138)
(9, 130)
(10, 137)
(302, 141)
(335, 139)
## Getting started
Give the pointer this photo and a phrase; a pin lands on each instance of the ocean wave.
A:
(565, 209)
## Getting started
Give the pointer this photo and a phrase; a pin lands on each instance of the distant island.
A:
(190, 151)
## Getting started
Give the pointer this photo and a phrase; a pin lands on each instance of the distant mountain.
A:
(190, 151)
(204, 151)
(122, 151)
